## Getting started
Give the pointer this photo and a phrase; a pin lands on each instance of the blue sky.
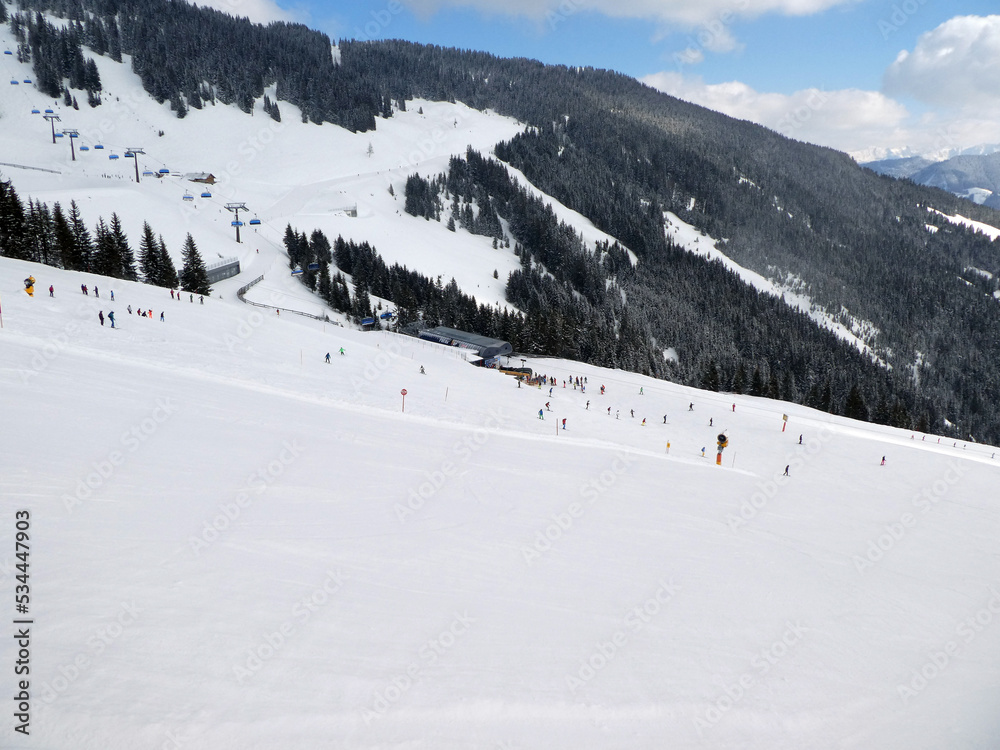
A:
(859, 75)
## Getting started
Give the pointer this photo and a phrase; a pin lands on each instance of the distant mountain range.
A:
(973, 174)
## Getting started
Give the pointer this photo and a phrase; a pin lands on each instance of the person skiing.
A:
(786, 470)
(588, 404)
(883, 461)
(161, 317)
(201, 299)
(328, 357)
(112, 295)
(130, 309)
(422, 372)
(664, 419)
(710, 421)
(691, 406)
(734, 407)
(602, 390)
(541, 414)
(171, 294)
(550, 393)
(83, 288)
(703, 451)
(609, 411)
(51, 291)
(111, 317)
(96, 293)
(564, 424)
(100, 315)
(617, 412)
(640, 390)
(800, 440)
(341, 351)
(547, 408)
(643, 422)
(632, 412)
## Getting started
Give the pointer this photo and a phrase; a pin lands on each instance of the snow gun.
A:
(723, 442)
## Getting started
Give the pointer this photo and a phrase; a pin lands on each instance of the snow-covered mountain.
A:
(234, 544)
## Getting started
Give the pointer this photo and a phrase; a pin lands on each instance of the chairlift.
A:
(129, 154)
(254, 222)
(36, 111)
(27, 80)
(60, 135)
(7, 52)
(85, 148)
(295, 271)
(113, 156)
(237, 223)
(387, 315)
(48, 111)
(98, 147)
(148, 173)
(14, 83)
(206, 194)
(188, 197)
(164, 171)
(368, 321)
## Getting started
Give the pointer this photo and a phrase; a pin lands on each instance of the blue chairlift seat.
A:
(368, 321)
(98, 147)
(85, 148)
(164, 171)
(148, 173)
(129, 154)
(254, 222)
(237, 223)
(113, 156)
(60, 135)
(36, 111)
(27, 80)
(14, 83)
(7, 52)
(188, 197)
(206, 194)
(48, 111)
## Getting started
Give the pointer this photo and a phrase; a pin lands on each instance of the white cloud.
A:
(957, 65)
(848, 119)
(866, 124)
(677, 12)
(258, 11)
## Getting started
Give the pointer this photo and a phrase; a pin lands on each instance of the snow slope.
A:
(237, 545)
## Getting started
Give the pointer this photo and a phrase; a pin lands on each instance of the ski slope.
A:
(237, 545)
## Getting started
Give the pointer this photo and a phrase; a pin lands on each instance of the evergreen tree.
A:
(854, 406)
(168, 271)
(149, 257)
(13, 225)
(193, 276)
(63, 234)
(83, 247)
(124, 258)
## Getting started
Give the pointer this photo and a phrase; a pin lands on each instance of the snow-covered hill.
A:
(234, 544)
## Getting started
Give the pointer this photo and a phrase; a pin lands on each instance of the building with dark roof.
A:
(484, 346)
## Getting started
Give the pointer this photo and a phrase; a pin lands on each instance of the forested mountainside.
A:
(858, 244)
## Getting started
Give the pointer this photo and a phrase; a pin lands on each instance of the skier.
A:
(609, 411)
(171, 294)
(100, 315)
(640, 390)
(664, 419)
(547, 408)
(341, 351)
(541, 414)
(602, 390)
(800, 440)
(96, 293)
(201, 299)
(703, 451)
(616, 413)
(422, 370)
(786, 469)
(111, 317)
(734, 407)
(550, 393)
(588, 404)
(51, 291)
(83, 288)
(328, 357)
(161, 317)
(192, 299)
(130, 309)
(112, 295)
(691, 406)
(564, 424)
(632, 412)
(643, 422)
(883, 461)
(710, 421)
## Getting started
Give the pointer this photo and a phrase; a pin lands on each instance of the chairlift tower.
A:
(72, 134)
(236, 208)
(135, 151)
(53, 119)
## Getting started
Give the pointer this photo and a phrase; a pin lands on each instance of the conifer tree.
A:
(193, 276)
(167, 268)
(149, 257)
